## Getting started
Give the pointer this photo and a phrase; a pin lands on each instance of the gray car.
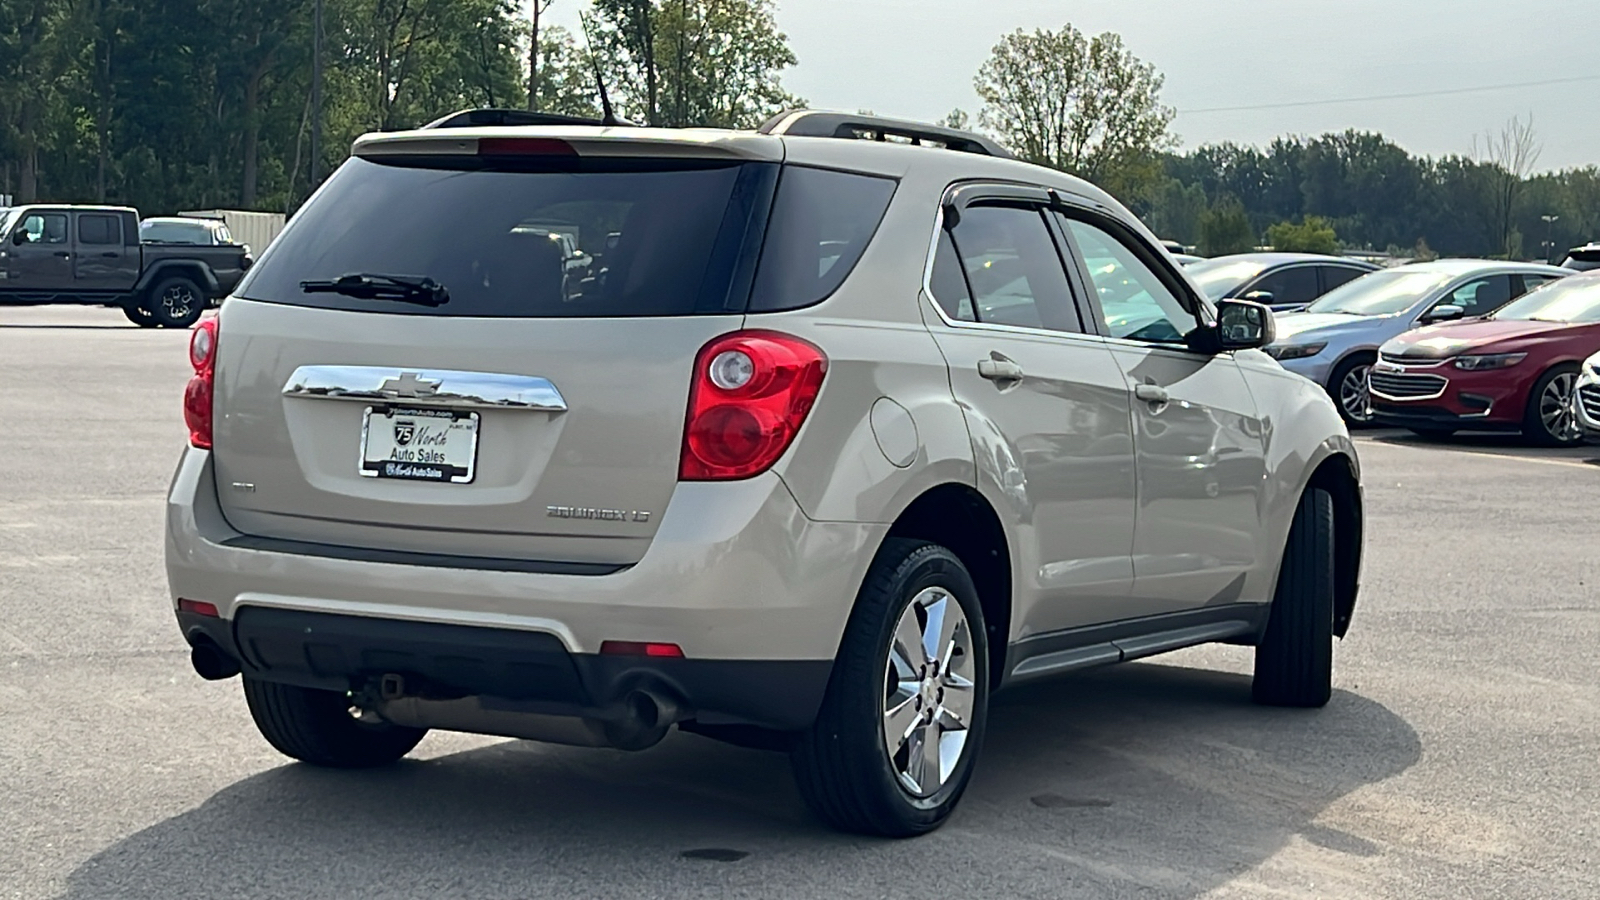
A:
(1335, 340)
(1283, 281)
(830, 439)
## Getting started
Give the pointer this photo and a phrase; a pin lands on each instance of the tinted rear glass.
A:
(594, 238)
(821, 223)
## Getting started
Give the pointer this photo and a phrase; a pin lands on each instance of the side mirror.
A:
(1444, 312)
(20, 237)
(1241, 325)
(1265, 298)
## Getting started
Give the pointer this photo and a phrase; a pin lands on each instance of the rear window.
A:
(596, 237)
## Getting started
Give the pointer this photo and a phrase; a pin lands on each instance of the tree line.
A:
(206, 103)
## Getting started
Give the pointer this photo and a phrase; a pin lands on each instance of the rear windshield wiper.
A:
(405, 289)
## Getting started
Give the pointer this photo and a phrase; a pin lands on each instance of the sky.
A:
(916, 59)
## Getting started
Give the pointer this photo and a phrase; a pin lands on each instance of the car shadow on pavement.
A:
(1142, 780)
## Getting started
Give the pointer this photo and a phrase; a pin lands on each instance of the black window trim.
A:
(1174, 282)
(959, 196)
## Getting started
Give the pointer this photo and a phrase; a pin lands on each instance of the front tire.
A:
(1349, 390)
(177, 302)
(1294, 661)
(318, 727)
(1550, 420)
(893, 747)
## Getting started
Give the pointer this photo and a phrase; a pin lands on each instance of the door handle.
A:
(1151, 393)
(63, 254)
(999, 368)
(111, 255)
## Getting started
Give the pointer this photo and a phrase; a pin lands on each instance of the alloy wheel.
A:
(178, 300)
(1555, 408)
(1355, 396)
(929, 692)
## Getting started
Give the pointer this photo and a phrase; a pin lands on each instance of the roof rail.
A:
(477, 118)
(814, 123)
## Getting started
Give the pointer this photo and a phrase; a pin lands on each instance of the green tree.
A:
(1175, 211)
(1314, 235)
(1084, 105)
(681, 63)
(1225, 228)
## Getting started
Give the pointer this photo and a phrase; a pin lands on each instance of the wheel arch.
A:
(1337, 475)
(194, 270)
(958, 518)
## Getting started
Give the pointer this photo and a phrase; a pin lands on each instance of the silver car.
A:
(1335, 340)
(832, 439)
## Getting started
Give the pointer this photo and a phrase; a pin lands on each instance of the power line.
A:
(1409, 96)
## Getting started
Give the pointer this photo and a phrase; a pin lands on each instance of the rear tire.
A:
(1294, 661)
(1550, 420)
(844, 765)
(140, 314)
(316, 727)
(176, 302)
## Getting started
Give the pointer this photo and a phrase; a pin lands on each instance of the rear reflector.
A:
(524, 146)
(199, 608)
(640, 648)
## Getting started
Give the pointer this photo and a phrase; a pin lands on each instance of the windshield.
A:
(1380, 293)
(1217, 277)
(1572, 299)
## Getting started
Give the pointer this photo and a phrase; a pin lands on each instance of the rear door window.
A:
(999, 265)
(590, 238)
(97, 230)
(1336, 276)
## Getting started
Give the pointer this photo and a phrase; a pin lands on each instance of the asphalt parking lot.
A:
(1457, 758)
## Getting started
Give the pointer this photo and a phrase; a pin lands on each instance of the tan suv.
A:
(790, 438)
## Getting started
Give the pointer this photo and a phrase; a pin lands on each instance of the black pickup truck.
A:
(93, 255)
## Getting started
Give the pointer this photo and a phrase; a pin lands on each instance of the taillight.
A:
(197, 396)
(751, 392)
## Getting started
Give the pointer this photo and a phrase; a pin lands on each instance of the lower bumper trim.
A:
(448, 662)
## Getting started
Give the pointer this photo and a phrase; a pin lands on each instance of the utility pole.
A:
(316, 97)
(1550, 237)
(533, 60)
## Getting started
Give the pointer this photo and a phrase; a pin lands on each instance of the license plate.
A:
(419, 444)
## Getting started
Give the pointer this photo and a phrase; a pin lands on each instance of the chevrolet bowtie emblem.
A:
(409, 384)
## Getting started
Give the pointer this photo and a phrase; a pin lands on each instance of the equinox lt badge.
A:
(603, 515)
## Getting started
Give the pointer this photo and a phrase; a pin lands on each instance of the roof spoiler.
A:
(814, 123)
(492, 118)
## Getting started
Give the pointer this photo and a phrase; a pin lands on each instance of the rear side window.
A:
(821, 223)
(591, 238)
(99, 230)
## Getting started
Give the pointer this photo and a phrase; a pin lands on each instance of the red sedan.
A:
(1513, 370)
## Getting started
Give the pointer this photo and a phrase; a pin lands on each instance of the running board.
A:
(1243, 622)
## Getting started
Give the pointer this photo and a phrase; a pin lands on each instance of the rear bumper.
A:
(528, 669)
(736, 576)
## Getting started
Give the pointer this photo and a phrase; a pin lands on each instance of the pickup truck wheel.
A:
(893, 746)
(1294, 661)
(321, 727)
(177, 302)
(140, 314)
